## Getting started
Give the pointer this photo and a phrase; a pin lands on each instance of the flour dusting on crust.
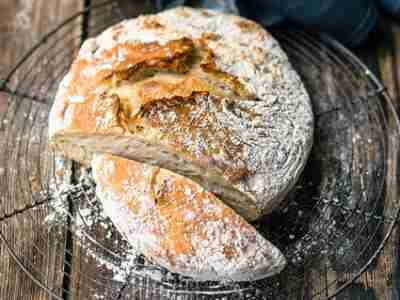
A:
(226, 108)
(175, 223)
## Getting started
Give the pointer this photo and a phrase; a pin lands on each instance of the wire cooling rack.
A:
(331, 228)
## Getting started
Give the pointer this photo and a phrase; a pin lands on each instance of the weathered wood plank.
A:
(89, 279)
(39, 249)
(384, 277)
(381, 281)
(93, 275)
(324, 279)
(26, 163)
(98, 252)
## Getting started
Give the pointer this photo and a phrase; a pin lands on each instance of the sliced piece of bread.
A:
(175, 223)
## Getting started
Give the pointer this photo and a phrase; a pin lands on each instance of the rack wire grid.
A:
(336, 220)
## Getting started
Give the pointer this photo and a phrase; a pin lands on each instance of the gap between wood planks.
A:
(379, 276)
(22, 24)
(69, 243)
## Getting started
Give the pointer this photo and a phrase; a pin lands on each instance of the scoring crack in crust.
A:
(181, 72)
(88, 72)
(125, 59)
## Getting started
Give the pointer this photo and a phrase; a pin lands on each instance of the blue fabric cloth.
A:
(391, 6)
(349, 21)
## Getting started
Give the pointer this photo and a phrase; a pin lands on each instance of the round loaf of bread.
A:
(206, 95)
(177, 224)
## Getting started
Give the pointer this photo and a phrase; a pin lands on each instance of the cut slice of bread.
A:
(177, 224)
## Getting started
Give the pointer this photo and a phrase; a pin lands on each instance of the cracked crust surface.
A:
(206, 95)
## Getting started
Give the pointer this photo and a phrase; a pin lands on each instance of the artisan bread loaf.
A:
(175, 223)
(206, 95)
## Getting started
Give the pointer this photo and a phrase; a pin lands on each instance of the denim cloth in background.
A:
(227, 6)
(391, 6)
(349, 21)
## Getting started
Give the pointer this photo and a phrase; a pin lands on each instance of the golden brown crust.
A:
(207, 95)
(248, 25)
(152, 23)
(174, 212)
(133, 100)
(88, 73)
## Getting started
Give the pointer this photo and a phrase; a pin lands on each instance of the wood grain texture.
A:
(23, 129)
(39, 250)
(89, 278)
(22, 23)
(382, 280)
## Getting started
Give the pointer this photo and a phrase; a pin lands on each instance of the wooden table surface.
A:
(23, 23)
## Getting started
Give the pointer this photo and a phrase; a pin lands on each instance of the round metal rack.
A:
(331, 228)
